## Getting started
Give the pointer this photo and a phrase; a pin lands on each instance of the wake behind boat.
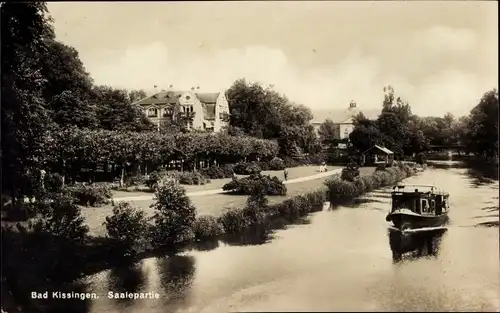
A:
(417, 207)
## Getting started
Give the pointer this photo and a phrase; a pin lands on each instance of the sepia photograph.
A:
(249, 156)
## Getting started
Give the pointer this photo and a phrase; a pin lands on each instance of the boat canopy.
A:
(410, 189)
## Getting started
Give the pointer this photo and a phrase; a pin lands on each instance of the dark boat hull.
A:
(406, 221)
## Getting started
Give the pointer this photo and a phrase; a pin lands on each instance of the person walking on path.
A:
(285, 173)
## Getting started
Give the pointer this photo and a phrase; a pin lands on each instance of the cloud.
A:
(444, 39)
(357, 76)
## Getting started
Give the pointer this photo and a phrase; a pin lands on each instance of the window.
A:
(152, 113)
(190, 124)
(167, 112)
(188, 97)
(425, 206)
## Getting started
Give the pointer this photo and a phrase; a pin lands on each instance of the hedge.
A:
(98, 146)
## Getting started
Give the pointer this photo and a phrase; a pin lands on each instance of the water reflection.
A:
(206, 245)
(176, 276)
(415, 245)
(127, 279)
(68, 305)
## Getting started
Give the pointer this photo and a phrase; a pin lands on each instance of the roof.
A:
(171, 97)
(208, 97)
(342, 115)
(384, 149)
(163, 96)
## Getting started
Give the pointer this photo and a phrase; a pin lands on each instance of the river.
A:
(341, 260)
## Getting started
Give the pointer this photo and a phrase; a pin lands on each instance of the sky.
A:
(439, 56)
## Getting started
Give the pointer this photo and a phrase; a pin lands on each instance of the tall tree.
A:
(264, 113)
(483, 126)
(68, 86)
(136, 95)
(116, 112)
(26, 32)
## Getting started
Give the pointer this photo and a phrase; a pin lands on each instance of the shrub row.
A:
(256, 182)
(340, 190)
(237, 220)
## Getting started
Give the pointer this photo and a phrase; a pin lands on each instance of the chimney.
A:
(197, 87)
(171, 86)
(192, 88)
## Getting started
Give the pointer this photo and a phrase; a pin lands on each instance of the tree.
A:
(26, 32)
(264, 113)
(482, 136)
(68, 109)
(174, 215)
(365, 137)
(116, 112)
(328, 133)
(398, 106)
(136, 95)
(64, 71)
(393, 132)
(68, 86)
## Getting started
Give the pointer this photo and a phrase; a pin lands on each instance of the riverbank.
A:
(234, 221)
(215, 203)
(101, 253)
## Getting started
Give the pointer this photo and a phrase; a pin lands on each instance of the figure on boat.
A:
(418, 206)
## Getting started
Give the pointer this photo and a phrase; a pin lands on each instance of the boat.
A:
(416, 207)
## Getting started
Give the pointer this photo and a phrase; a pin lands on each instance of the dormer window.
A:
(152, 113)
(352, 104)
(188, 97)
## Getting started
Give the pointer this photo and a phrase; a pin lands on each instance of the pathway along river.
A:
(341, 260)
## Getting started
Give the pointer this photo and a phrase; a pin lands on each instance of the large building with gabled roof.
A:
(342, 118)
(201, 110)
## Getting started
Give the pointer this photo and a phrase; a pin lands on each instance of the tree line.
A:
(49, 99)
(407, 134)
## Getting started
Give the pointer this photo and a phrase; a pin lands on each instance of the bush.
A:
(381, 167)
(233, 221)
(316, 158)
(246, 186)
(350, 172)
(155, 178)
(190, 178)
(174, 215)
(207, 226)
(247, 168)
(135, 180)
(276, 164)
(291, 162)
(126, 228)
(53, 182)
(225, 171)
(90, 195)
(264, 165)
(62, 218)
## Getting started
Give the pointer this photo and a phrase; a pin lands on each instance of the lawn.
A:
(293, 173)
(214, 204)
